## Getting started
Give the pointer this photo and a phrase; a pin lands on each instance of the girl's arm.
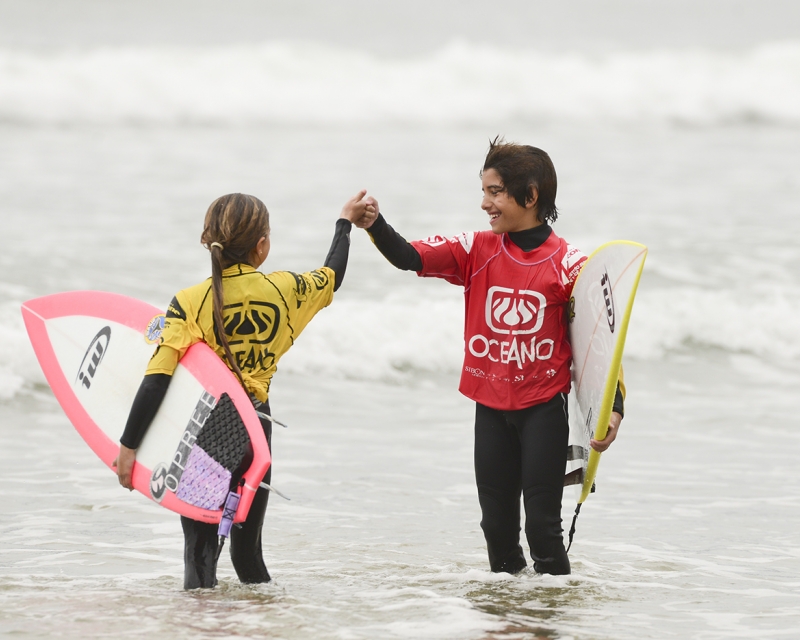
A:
(144, 408)
(339, 251)
(356, 210)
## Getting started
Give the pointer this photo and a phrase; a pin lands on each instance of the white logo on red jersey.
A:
(571, 264)
(466, 239)
(514, 312)
(434, 241)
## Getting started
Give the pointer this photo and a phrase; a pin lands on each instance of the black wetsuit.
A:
(201, 541)
(521, 452)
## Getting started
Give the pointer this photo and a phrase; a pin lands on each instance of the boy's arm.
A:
(393, 246)
(436, 257)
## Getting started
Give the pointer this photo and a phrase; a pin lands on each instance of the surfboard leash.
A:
(575, 517)
(226, 521)
(572, 528)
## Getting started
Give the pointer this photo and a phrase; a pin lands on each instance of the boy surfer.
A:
(517, 281)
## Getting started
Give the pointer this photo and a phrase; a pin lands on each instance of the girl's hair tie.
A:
(216, 244)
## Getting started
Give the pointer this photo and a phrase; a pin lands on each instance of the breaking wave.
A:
(405, 338)
(295, 83)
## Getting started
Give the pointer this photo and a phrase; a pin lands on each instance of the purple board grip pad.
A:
(204, 482)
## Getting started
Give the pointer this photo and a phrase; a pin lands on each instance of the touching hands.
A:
(124, 466)
(611, 435)
(373, 211)
(360, 211)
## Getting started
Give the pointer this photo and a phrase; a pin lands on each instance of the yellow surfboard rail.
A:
(609, 392)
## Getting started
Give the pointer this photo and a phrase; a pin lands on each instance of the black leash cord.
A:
(572, 528)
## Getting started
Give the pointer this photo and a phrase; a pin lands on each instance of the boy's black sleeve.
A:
(339, 251)
(619, 403)
(393, 246)
(145, 405)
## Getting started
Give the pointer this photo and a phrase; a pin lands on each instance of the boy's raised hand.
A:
(359, 210)
(371, 215)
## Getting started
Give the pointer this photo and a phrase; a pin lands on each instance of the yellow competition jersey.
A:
(263, 315)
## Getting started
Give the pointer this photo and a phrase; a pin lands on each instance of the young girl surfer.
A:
(237, 306)
(517, 281)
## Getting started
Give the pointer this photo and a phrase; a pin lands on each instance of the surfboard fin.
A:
(573, 477)
(266, 416)
(576, 452)
(273, 489)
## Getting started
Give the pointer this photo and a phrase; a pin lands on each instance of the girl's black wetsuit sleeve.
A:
(145, 405)
(339, 251)
(154, 386)
(393, 246)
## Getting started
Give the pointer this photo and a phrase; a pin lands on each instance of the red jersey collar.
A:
(540, 254)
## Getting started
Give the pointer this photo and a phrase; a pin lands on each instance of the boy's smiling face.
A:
(505, 213)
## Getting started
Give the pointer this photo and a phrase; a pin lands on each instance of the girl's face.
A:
(505, 213)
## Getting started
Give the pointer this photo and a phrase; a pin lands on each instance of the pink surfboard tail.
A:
(200, 361)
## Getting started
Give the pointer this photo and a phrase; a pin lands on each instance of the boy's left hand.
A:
(611, 435)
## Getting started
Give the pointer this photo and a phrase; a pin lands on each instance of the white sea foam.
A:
(18, 366)
(403, 339)
(291, 82)
(734, 321)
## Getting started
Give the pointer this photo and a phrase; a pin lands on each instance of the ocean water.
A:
(110, 154)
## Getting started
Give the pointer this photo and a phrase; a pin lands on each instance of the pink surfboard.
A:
(94, 348)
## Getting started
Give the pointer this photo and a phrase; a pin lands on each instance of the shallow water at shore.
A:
(692, 532)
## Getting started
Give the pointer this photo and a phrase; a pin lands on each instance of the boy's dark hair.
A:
(522, 168)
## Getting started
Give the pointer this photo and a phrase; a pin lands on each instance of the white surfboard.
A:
(600, 309)
(94, 347)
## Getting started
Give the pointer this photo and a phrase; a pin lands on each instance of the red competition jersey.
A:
(516, 348)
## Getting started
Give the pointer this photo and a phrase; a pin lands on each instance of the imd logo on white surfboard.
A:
(94, 355)
(608, 297)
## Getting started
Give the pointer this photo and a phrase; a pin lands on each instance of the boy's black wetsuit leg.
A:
(246, 553)
(497, 473)
(522, 452)
(544, 432)
(201, 540)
